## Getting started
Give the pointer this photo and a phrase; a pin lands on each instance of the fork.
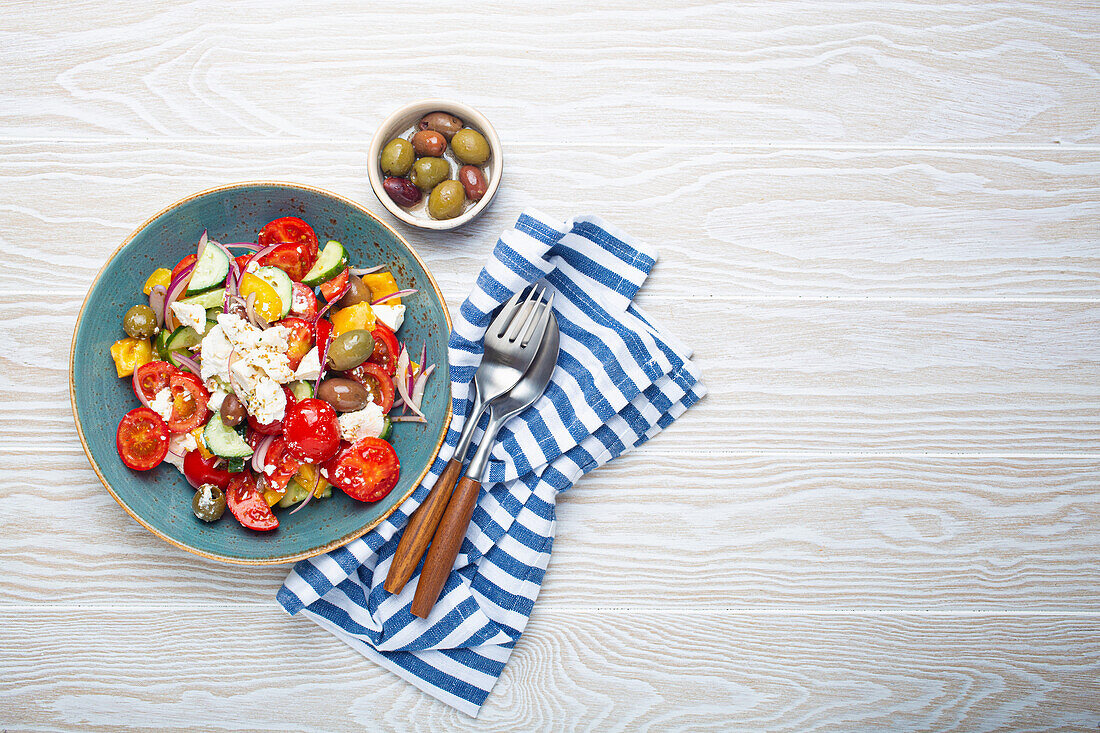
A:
(510, 346)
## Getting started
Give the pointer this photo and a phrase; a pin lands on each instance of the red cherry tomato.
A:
(377, 382)
(366, 471)
(189, 398)
(300, 340)
(188, 260)
(198, 471)
(322, 330)
(151, 378)
(248, 505)
(303, 302)
(289, 229)
(283, 464)
(242, 260)
(142, 439)
(334, 288)
(385, 348)
(311, 431)
(295, 259)
(271, 428)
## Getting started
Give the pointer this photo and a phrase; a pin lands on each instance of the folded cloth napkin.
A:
(619, 381)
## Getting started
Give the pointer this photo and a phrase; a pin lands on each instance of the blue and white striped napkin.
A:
(619, 381)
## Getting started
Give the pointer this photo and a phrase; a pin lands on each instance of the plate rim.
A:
(281, 559)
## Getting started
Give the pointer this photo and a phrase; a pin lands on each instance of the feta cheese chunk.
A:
(217, 397)
(179, 445)
(216, 349)
(267, 402)
(310, 366)
(162, 403)
(391, 315)
(365, 423)
(191, 315)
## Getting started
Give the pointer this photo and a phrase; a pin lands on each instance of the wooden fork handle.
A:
(448, 539)
(420, 529)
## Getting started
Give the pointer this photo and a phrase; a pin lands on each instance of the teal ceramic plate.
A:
(161, 499)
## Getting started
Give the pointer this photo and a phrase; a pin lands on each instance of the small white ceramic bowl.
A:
(404, 118)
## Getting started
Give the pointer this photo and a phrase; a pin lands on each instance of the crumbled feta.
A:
(179, 445)
(216, 349)
(365, 423)
(309, 368)
(269, 469)
(252, 266)
(267, 402)
(391, 315)
(300, 300)
(162, 404)
(191, 315)
(217, 396)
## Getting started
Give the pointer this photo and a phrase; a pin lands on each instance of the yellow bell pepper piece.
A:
(203, 451)
(160, 276)
(358, 316)
(273, 495)
(307, 474)
(381, 284)
(268, 304)
(129, 354)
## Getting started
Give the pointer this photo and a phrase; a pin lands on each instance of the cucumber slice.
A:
(209, 299)
(301, 390)
(209, 272)
(223, 440)
(284, 286)
(387, 428)
(183, 337)
(212, 315)
(333, 259)
(160, 344)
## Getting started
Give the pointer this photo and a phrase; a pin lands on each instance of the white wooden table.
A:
(878, 225)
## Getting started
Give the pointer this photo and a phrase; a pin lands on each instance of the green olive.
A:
(140, 322)
(208, 504)
(350, 349)
(447, 200)
(427, 172)
(470, 146)
(397, 157)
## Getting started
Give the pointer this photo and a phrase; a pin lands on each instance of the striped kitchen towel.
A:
(619, 381)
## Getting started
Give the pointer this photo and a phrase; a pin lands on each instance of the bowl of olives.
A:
(435, 164)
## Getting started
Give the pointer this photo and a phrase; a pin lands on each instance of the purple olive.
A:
(473, 180)
(402, 191)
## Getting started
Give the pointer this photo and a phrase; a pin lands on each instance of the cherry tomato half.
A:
(300, 340)
(151, 378)
(293, 258)
(303, 302)
(283, 464)
(334, 288)
(142, 439)
(189, 398)
(289, 229)
(198, 471)
(377, 382)
(188, 260)
(366, 471)
(242, 261)
(248, 505)
(311, 431)
(385, 348)
(322, 330)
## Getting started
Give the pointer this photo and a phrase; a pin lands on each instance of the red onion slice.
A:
(245, 245)
(408, 418)
(202, 246)
(156, 302)
(402, 383)
(189, 364)
(316, 483)
(177, 286)
(261, 454)
(398, 294)
(419, 385)
(254, 317)
(322, 352)
(137, 390)
(260, 253)
(360, 271)
(335, 299)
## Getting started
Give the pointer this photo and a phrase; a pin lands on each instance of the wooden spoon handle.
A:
(448, 539)
(420, 529)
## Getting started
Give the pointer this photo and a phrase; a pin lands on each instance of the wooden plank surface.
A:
(878, 227)
(570, 671)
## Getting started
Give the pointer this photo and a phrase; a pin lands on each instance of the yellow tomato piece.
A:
(268, 305)
(197, 435)
(160, 276)
(129, 354)
(273, 495)
(351, 318)
(382, 284)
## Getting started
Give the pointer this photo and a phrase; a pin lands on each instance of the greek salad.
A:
(268, 373)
